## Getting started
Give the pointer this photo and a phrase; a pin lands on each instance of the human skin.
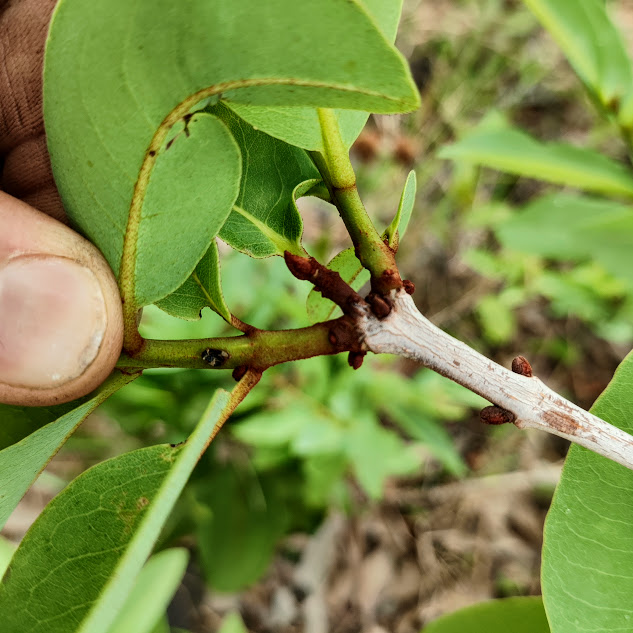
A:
(60, 312)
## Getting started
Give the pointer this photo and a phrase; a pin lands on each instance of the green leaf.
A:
(513, 151)
(376, 453)
(265, 220)
(78, 562)
(518, 615)
(119, 75)
(18, 422)
(496, 318)
(594, 47)
(588, 551)
(430, 433)
(7, 549)
(232, 623)
(300, 126)
(243, 518)
(203, 289)
(21, 463)
(400, 222)
(565, 227)
(351, 270)
(190, 194)
(152, 592)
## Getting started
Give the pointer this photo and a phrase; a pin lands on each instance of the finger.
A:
(60, 313)
(27, 171)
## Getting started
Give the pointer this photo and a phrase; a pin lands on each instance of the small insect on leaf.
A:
(215, 357)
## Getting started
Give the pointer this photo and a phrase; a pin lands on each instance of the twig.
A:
(527, 401)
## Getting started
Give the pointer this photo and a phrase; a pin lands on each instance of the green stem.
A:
(259, 349)
(336, 170)
(334, 151)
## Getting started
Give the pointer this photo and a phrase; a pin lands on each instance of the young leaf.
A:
(515, 152)
(78, 562)
(594, 47)
(400, 222)
(152, 592)
(201, 290)
(347, 265)
(265, 220)
(518, 615)
(595, 229)
(588, 552)
(22, 462)
(300, 126)
(120, 75)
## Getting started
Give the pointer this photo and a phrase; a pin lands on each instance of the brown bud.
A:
(355, 359)
(409, 286)
(379, 305)
(496, 415)
(520, 365)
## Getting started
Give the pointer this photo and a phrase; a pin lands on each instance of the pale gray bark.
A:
(407, 333)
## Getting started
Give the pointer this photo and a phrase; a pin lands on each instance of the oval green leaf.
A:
(118, 76)
(300, 126)
(588, 550)
(78, 562)
(189, 196)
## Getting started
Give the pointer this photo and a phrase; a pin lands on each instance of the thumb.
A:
(61, 327)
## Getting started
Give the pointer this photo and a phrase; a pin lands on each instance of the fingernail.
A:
(52, 321)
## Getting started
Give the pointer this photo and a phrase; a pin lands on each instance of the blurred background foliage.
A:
(504, 261)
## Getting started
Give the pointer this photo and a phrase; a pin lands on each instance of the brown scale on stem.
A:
(496, 415)
(355, 359)
(520, 365)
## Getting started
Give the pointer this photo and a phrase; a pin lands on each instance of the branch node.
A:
(380, 306)
(520, 365)
(496, 415)
(344, 335)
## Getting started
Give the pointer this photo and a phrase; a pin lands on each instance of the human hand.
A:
(61, 327)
